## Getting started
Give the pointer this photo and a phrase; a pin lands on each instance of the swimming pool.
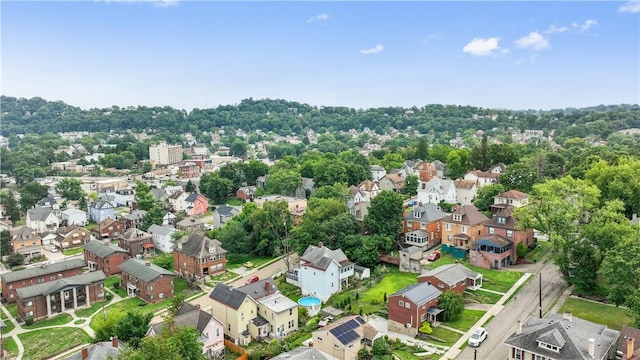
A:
(309, 301)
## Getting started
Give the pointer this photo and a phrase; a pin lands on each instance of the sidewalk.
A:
(495, 309)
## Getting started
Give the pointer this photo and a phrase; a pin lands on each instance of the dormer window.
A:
(417, 215)
(548, 346)
(457, 217)
(212, 250)
(502, 220)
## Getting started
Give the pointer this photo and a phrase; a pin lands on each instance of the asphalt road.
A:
(523, 305)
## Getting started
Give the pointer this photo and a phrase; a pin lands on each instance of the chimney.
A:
(114, 342)
(592, 348)
(568, 316)
(267, 286)
(630, 347)
(85, 353)
(519, 328)
(197, 307)
(320, 244)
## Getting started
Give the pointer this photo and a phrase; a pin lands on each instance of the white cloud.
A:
(429, 38)
(556, 29)
(319, 17)
(482, 47)
(588, 24)
(632, 7)
(534, 41)
(374, 50)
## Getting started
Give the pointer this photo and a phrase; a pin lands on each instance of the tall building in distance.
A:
(163, 154)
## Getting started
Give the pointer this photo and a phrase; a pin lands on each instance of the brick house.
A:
(147, 281)
(72, 237)
(196, 204)
(421, 226)
(197, 256)
(137, 242)
(410, 307)
(454, 277)
(105, 257)
(14, 280)
(246, 193)
(461, 229)
(45, 299)
(109, 229)
(134, 219)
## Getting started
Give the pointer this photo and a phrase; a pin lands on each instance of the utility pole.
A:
(540, 295)
(475, 354)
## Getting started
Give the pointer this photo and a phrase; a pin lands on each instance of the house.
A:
(124, 197)
(377, 172)
(42, 219)
(196, 204)
(303, 353)
(345, 338)
(100, 210)
(37, 275)
(161, 237)
(322, 272)
(60, 295)
(426, 171)
(294, 205)
(71, 237)
(557, 336)
(461, 229)
(147, 281)
(74, 217)
(236, 310)
(454, 277)
(109, 228)
(177, 201)
(512, 198)
(246, 193)
(411, 306)
(629, 343)
(482, 178)
(99, 351)
(410, 259)
(277, 315)
(104, 257)
(361, 272)
(466, 191)
(48, 238)
(369, 189)
(48, 201)
(190, 225)
(189, 170)
(436, 190)
(224, 213)
(421, 226)
(137, 242)
(197, 256)
(134, 219)
(169, 219)
(160, 195)
(392, 182)
(211, 330)
(26, 242)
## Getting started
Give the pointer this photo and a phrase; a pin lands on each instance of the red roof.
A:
(147, 245)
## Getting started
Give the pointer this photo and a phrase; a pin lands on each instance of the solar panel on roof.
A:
(348, 337)
(360, 320)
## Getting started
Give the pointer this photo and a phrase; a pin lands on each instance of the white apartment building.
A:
(163, 154)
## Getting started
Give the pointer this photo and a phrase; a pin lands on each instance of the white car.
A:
(478, 337)
(53, 249)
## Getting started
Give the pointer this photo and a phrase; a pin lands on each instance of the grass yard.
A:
(292, 292)
(11, 346)
(227, 275)
(445, 259)
(9, 325)
(52, 321)
(257, 261)
(497, 280)
(408, 355)
(88, 311)
(13, 310)
(613, 317)
(115, 279)
(394, 280)
(450, 337)
(541, 250)
(42, 344)
(481, 297)
(74, 251)
(466, 320)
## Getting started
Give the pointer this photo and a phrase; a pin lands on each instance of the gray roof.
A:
(159, 194)
(470, 216)
(452, 273)
(277, 302)
(259, 289)
(419, 293)
(47, 201)
(135, 234)
(101, 250)
(57, 285)
(249, 190)
(99, 351)
(161, 230)
(411, 249)
(24, 233)
(199, 246)
(42, 270)
(227, 210)
(442, 186)
(227, 295)
(102, 204)
(142, 271)
(39, 213)
(570, 334)
(303, 353)
(187, 316)
(426, 213)
(321, 257)
(192, 197)
(190, 221)
(135, 215)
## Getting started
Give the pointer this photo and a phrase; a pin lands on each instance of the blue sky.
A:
(516, 55)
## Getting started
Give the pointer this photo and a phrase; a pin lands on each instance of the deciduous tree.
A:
(385, 214)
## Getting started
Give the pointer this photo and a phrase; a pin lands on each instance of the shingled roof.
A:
(419, 293)
(227, 295)
(144, 271)
(44, 269)
(321, 257)
(101, 250)
(199, 246)
(470, 216)
(187, 316)
(426, 213)
(451, 273)
(57, 285)
(39, 213)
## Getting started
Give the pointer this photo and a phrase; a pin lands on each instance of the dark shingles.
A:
(227, 296)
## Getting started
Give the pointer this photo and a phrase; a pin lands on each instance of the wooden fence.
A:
(244, 355)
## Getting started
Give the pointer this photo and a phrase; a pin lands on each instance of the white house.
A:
(377, 172)
(169, 218)
(323, 272)
(75, 217)
(369, 189)
(466, 191)
(162, 237)
(436, 190)
(482, 178)
(178, 201)
(42, 219)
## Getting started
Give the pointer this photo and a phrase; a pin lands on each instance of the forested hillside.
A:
(39, 116)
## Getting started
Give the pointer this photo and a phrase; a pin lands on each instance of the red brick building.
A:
(137, 242)
(189, 170)
(14, 280)
(421, 226)
(45, 299)
(105, 257)
(197, 256)
(109, 229)
(147, 281)
(454, 277)
(410, 307)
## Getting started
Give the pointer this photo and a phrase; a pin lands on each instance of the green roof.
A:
(144, 271)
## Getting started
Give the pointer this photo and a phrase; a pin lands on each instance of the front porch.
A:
(69, 298)
(494, 252)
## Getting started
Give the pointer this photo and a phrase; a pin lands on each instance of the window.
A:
(161, 295)
(447, 226)
(228, 327)
(290, 311)
(423, 318)
(407, 305)
(11, 285)
(331, 284)
(441, 286)
(518, 354)
(492, 230)
(457, 217)
(464, 229)
(538, 357)
(509, 233)
(401, 303)
(241, 316)
(10, 296)
(28, 314)
(409, 223)
(319, 338)
(28, 303)
(217, 332)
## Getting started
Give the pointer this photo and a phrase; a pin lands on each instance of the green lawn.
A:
(482, 297)
(9, 325)
(86, 312)
(41, 344)
(74, 251)
(541, 250)
(292, 292)
(450, 337)
(227, 275)
(371, 300)
(257, 261)
(52, 321)
(115, 279)
(466, 320)
(613, 317)
(11, 346)
(497, 280)
(13, 310)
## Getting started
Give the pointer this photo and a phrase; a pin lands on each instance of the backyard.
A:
(609, 315)
(57, 320)
(74, 251)
(496, 280)
(41, 344)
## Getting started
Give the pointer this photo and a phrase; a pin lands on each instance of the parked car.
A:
(478, 337)
(434, 256)
(252, 279)
(53, 249)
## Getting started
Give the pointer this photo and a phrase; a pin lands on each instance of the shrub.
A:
(521, 250)
(28, 321)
